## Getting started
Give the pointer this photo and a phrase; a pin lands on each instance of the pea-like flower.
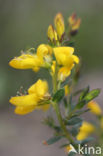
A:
(66, 59)
(35, 99)
(85, 130)
(33, 61)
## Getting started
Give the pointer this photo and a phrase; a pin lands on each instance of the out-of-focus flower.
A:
(35, 99)
(74, 23)
(94, 108)
(52, 34)
(85, 130)
(59, 24)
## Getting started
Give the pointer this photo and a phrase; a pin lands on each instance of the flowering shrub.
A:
(59, 58)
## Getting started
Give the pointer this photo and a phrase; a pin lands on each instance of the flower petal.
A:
(25, 100)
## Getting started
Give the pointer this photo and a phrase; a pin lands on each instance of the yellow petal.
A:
(53, 67)
(25, 61)
(63, 73)
(82, 136)
(85, 130)
(40, 88)
(63, 55)
(24, 110)
(87, 127)
(25, 100)
(94, 108)
(76, 58)
(44, 50)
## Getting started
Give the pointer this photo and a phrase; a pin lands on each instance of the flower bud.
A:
(59, 24)
(52, 35)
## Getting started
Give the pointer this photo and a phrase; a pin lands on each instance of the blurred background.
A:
(23, 24)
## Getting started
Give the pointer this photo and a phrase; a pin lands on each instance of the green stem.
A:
(57, 110)
(58, 113)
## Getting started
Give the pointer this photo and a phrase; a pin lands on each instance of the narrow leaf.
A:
(53, 140)
(92, 94)
(86, 141)
(74, 121)
(59, 95)
(71, 154)
(84, 93)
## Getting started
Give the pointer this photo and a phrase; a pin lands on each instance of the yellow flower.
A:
(94, 108)
(37, 93)
(59, 24)
(33, 61)
(64, 56)
(40, 88)
(26, 61)
(85, 130)
(52, 34)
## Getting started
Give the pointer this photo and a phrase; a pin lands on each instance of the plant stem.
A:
(58, 113)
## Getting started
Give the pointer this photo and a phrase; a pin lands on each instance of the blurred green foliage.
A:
(24, 24)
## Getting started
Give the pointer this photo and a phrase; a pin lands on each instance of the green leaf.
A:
(89, 139)
(74, 131)
(59, 95)
(67, 81)
(73, 121)
(53, 140)
(84, 93)
(64, 145)
(92, 94)
(71, 154)
(81, 104)
(81, 112)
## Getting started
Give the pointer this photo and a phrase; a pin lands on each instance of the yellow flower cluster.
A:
(85, 130)
(58, 59)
